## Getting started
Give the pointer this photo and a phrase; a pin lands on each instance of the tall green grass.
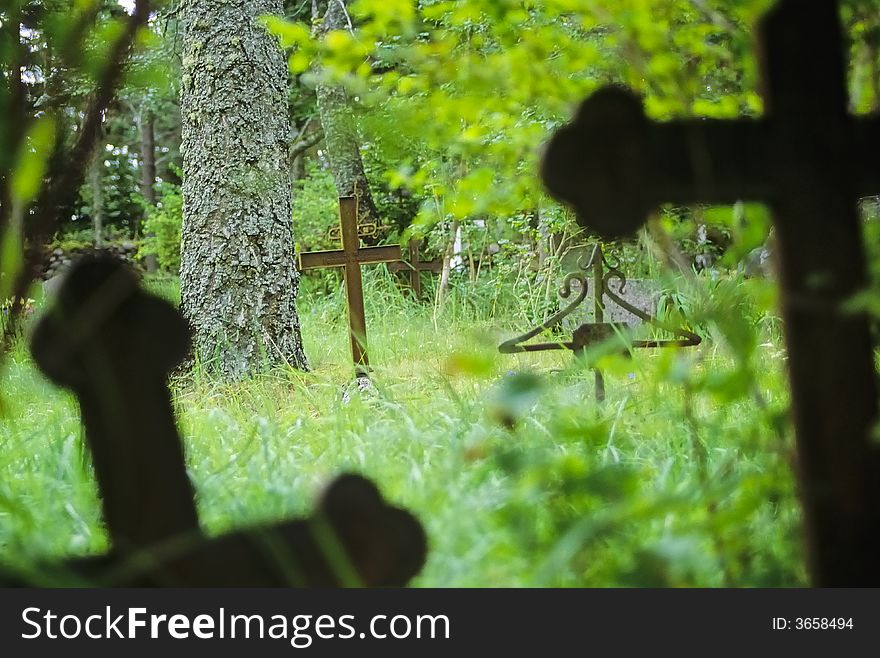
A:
(681, 477)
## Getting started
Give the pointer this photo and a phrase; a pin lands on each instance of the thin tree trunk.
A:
(148, 174)
(446, 270)
(16, 106)
(545, 243)
(538, 237)
(97, 189)
(298, 167)
(337, 118)
(308, 137)
(238, 276)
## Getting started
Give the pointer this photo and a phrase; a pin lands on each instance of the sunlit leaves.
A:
(291, 35)
(27, 175)
(862, 17)
(480, 362)
(387, 17)
(151, 69)
(102, 38)
(26, 179)
(11, 259)
(490, 79)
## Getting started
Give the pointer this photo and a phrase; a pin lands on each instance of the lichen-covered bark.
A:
(238, 277)
(340, 129)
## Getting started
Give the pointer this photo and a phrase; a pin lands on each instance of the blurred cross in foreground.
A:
(113, 345)
(351, 257)
(810, 161)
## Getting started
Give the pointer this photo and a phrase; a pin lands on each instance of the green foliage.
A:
(862, 18)
(84, 238)
(31, 163)
(54, 56)
(869, 299)
(163, 228)
(315, 210)
(122, 201)
(682, 478)
(473, 88)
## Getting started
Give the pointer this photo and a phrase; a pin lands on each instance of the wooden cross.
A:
(113, 345)
(414, 267)
(810, 161)
(351, 257)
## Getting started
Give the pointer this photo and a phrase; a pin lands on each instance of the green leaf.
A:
(291, 34)
(27, 177)
(515, 396)
(11, 260)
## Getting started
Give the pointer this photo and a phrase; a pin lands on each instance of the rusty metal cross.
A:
(351, 257)
(414, 267)
(810, 161)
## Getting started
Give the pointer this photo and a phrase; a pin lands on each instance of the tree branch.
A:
(65, 175)
(305, 142)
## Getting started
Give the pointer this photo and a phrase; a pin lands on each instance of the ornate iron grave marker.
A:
(414, 267)
(351, 257)
(602, 274)
(113, 345)
(810, 161)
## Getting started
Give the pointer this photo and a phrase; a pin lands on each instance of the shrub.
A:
(315, 210)
(162, 228)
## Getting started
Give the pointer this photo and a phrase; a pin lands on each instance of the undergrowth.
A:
(680, 478)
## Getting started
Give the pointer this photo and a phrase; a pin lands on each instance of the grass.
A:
(681, 478)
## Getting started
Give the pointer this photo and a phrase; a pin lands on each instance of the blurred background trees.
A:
(442, 107)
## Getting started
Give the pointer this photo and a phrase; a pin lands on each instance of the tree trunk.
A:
(15, 118)
(97, 189)
(298, 167)
(539, 237)
(148, 174)
(238, 277)
(309, 135)
(340, 128)
(449, 255)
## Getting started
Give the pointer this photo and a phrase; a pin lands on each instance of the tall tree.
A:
(96, 185)
(340, 128)
(238, 278)
(146, 125)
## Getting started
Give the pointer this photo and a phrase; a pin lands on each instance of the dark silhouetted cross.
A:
(810, 161)
(113, 345)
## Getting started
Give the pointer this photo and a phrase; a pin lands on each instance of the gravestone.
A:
(641, 293)
(810, 161)
(113, 346)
